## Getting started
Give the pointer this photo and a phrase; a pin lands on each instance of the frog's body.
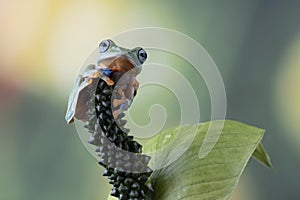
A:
(112, 63)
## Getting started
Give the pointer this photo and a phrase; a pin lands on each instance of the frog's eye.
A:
(104, 45)
(142, 55)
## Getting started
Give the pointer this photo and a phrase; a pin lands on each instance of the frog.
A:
(115, 65)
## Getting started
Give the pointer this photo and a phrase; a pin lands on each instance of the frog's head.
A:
(119, 59)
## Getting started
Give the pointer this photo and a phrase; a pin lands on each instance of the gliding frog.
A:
(114, 64)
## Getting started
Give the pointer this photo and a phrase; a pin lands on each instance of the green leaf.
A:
(214, 176)
(261, 155)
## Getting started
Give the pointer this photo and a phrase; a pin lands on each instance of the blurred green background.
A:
(256, 45)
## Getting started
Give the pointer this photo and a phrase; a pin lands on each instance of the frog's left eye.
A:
(142, 55)
(104, 45)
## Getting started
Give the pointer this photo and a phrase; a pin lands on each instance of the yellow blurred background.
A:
(44, 42)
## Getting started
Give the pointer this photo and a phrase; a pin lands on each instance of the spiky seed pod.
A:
(113, 144)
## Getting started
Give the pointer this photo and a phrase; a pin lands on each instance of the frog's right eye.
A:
(104, 45)
(142, 55)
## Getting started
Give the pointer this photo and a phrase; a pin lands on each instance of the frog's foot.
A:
(108, 80)
(124, 106)
(89, 81)
(116, 113)
(123, 103)
(90, 72)
(117, 102)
